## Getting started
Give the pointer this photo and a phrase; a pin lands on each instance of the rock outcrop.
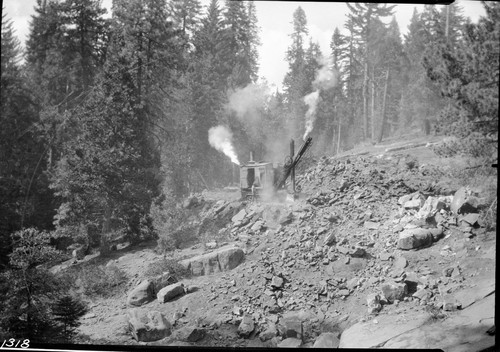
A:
(148, 326)
(223, 259)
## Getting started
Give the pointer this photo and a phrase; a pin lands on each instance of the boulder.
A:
(415, 238)
(257, 226)
(161, 281)
(239, 217)
(401, 263)
(277, 282)
(394, 291)
(269, 333)
(470, 219)
(423, 294)
(189, 333)
(357, 252)
(148, 326)
(223, 259)
(431, 206)
(463, 203)
(450, 303)
(170, 292)
(330, 239)
(373, 303)
(371, 225)
(290, 342)
(373, 333)
(246, 326)
(294, 323)
(327, 340)
(143, 293)
(384, 256)
(412, 204)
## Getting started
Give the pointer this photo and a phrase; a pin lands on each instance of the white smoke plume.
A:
(246, 102)
(311, 101)
(326, 78)
(221, 138)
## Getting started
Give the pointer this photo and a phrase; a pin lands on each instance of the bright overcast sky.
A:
(274, 20)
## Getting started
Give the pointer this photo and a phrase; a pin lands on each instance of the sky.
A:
(275, 22)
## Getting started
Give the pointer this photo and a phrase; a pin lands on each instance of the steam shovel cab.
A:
(259, 175)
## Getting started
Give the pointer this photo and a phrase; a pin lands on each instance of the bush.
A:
(94, 280)
(171, 223)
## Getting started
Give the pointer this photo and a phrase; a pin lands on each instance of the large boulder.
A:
(246, 327)
(415, 238)
(189, 333)
(223, 259)
(143, 293)
(432, 205)
(376, 332)
(463, 202)
(327, 340)
(394, 291)
(148, 326)
(296, 323)
(290, 342)
(170, 292)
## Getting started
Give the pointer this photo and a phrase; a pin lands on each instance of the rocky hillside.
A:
(379, 251)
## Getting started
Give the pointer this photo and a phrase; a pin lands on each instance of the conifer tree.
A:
(67, 310)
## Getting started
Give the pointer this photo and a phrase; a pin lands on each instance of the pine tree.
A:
(110, 171)
(27, 289)
(25, 197)
(468, 76)
(365, 21)
(296, 83)
(68, 310)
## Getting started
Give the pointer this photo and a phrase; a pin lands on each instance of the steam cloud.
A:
(325, 79)
(221, 138)
(246, 102)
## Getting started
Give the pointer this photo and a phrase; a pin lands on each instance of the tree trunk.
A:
(447, 25)
(338, 139)
(382, 123)
(104, 247)
(372, 113)
(365, 102)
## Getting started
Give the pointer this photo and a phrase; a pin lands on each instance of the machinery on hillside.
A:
(259, 178)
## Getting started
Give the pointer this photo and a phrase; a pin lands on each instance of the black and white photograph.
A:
(179, 174)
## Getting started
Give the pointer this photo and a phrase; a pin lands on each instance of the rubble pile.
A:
(292, 269)
(350, 240)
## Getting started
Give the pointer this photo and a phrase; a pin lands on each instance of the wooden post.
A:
(292, 175)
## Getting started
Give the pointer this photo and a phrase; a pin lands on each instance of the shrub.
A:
(171, 223)
(94, 280)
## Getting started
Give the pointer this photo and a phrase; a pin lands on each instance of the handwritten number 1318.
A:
(13, 343)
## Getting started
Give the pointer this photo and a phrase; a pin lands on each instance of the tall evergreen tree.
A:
(365, 19)
(468, 76)
(296, 84)
(109, 173)
(25, 199)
